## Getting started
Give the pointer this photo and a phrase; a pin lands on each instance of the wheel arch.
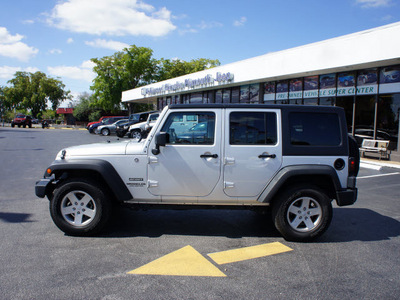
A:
(323, 177)
(100, 170)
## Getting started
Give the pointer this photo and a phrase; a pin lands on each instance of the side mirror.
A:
(161, 140)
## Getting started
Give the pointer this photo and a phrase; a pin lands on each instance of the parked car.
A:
(301, 162)
(105, 121)
(101, 119)
(109, 128)
(22, 120)
(123, 129)
(140, 130)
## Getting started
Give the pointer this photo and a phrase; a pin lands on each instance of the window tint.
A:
(252, 128)
(314, 129)
(190, 128)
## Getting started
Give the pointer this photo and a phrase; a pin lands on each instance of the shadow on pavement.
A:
(348, 224)
(14, 217)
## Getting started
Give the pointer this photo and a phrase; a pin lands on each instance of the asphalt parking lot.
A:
(167, 254)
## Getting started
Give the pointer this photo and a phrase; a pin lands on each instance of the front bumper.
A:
(41, 187)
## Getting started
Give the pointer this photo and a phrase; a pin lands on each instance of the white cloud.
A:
(111, 17)
(82, 72)
(11, 46)
(8, 73)
(209, 25)
(373, 3)
(55, 51)
(113, 45)
(240, 22)
(70, 41)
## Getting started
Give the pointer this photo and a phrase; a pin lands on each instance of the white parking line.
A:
(378, 175)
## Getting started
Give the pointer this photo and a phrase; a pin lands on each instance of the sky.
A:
(60, 38)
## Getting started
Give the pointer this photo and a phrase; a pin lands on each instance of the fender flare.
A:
(299, 170)
(102, 167)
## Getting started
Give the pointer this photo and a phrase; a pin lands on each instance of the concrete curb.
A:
(377, 165)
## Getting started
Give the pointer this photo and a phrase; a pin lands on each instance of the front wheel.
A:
(136, 134)
(80, 207)
(105, 131)
(302, 213)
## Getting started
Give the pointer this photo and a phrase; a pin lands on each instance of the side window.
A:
(196, 128)
(314, 129)
(252, 128)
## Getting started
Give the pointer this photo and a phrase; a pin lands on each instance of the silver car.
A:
(110, 128)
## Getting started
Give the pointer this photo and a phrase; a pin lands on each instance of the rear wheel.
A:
(80, 207)
(302, 213)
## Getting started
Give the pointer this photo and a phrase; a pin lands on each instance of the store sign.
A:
(208, 80)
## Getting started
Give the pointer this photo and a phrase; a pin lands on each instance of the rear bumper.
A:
(346, 197)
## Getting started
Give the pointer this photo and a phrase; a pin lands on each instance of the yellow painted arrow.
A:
(245, 253)
(183, 262)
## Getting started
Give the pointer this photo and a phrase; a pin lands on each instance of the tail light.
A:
(352, 166)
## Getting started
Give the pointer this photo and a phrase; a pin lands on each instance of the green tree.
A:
(84, 109)
(134, 67)
(173, 68)
(31, 91)
(124, 70)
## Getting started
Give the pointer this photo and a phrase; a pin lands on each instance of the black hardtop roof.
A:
(283, 107)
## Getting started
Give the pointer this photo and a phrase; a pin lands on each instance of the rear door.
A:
(252, 150)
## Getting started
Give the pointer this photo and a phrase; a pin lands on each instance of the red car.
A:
(22, 120)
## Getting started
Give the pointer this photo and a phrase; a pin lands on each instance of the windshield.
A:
(134, 117)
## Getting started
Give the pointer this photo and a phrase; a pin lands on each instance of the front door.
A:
(252, 150)
(190, 163)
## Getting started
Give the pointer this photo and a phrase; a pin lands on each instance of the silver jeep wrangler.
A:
(293, 160)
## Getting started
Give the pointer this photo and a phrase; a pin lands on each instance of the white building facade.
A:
(359, 72)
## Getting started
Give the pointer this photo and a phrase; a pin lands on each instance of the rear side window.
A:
(252, 128)
(314, 129)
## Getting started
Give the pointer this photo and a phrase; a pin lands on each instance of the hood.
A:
(100, 149)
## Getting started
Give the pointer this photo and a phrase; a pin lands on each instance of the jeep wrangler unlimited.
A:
(294, 160)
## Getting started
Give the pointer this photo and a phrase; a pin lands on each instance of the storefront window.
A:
(347, 104)
(327, 101)
(269, 91)
(254, 93)
(244, 94)
(226, 96)
(365, 112)
(388, 119)
(218, 96)
(235, 95)
(311, 101)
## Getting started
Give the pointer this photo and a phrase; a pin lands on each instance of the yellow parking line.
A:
(246, 253)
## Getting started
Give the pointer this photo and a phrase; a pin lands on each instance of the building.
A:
(359, 72)
(68, 114)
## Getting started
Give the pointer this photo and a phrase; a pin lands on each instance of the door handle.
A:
(209, 155)
(267, 156)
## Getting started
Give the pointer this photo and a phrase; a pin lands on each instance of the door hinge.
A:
(229, 185)
(152, 183)
(152, 159)
(229, 161)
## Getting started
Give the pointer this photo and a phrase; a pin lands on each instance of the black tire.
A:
(120, 135)
(12, 125)
(135, 134)
(105, 131)
(80, 207)
(302, 213)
